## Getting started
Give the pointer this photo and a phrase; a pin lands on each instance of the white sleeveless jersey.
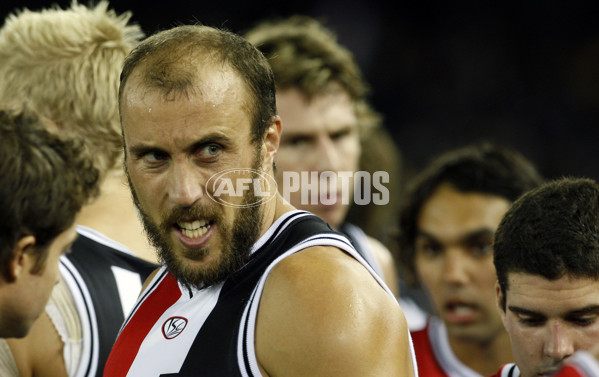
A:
(175, 330)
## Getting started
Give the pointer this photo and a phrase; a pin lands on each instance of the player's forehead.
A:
(324, 113)
(451, 213)
(557, 297)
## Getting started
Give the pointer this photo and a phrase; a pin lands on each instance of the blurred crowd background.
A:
(443, 74)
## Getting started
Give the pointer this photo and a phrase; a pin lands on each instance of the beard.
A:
(237, 238)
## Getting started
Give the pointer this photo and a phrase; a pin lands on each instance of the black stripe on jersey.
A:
(88, 308)
(511, 372)
(283, 223)
(244, 349)
(148, 291)
(340, 239)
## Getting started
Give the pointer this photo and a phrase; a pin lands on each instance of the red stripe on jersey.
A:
(570, 371)
(498, 374)
(425, 357)
(129, 341)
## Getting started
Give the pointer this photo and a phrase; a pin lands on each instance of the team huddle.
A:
(139, 239)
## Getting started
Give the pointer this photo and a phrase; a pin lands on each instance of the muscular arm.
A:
(322, 314)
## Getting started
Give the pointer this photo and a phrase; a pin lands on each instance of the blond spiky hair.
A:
(66, 63)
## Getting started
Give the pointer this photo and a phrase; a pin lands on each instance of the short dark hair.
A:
(168, 61)
(551, 231)
(44, 182)
(481, 167)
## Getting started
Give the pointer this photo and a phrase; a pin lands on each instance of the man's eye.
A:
(481, 248)
(211, 150)
(340, 134)
(155, 156)
(583, 321)
(429, 249)
(298, 141)
(531, 321)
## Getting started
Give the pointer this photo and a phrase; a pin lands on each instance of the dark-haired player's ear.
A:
(500, 302)
(20, 259)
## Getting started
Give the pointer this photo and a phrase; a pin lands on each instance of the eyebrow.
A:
(291, 134)
(468, 237)
(585, 310)
(519, 310)
(577, 312)
(308, 134)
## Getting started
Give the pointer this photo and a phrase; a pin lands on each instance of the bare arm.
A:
(323, 314)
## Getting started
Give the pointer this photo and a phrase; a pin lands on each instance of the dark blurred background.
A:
(523, 74)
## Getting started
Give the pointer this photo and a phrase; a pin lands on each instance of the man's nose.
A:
(560, 342)
(455, 267)
(327, 156)
(185, 184)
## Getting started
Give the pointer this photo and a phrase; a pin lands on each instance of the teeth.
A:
(460, 309)
(194, 229)
(193, 225)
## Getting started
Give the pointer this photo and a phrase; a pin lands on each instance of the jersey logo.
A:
(173, 327)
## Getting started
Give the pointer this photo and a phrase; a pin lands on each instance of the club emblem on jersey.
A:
(173, 327)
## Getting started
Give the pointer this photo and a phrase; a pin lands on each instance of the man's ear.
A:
(20, 258)
(271, 140)
(500, 302)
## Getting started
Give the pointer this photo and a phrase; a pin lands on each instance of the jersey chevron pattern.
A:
(175, 330)
(104, 280)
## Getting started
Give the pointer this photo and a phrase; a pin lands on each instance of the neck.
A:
(114, 214)
(483, 357)
(272, 211)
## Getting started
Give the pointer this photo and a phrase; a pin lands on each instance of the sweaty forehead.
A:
(213, 84)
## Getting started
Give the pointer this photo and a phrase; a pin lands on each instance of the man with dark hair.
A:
(447, 222)
(250, 286)
(44, 182)
(65, 64)
(546, 254)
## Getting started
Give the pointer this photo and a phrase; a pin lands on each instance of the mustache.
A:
(195, 212)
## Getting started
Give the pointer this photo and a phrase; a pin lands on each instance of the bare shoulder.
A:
(322, 313)
(39, 353)
(385, 259)
(381, 251)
